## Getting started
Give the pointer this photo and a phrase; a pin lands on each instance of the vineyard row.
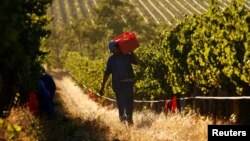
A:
(158, 11)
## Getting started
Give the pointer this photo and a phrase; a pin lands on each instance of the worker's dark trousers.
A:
(124, 98)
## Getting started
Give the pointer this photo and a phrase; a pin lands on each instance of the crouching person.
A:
(45, 100)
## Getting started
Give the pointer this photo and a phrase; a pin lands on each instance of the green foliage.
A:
(91, 39)
(109, 15)
(209, 51)
(219, 53)
(21, 32)
(1, 122)
(87, 72)
(11, 131)
(150, 74)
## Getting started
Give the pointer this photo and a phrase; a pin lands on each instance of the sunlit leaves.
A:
(207, 51)
(87, 72)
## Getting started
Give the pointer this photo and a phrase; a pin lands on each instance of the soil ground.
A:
(104, 123)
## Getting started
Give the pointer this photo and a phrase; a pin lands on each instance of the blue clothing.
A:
(112, 45)
(44, 97)
(121, 69)
(120, 66)
(124, 99)
(49, 83)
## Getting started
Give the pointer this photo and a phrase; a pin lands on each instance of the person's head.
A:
(113, 47)
(43, 71)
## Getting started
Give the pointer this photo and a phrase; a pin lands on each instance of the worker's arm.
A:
(105, 78)
(136, 59)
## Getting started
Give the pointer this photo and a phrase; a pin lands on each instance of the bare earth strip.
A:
(74, 99)
(148, 125)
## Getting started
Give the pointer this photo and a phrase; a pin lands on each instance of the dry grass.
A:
(77, 118)
(104, 125)
(20, 125)
(157, 127)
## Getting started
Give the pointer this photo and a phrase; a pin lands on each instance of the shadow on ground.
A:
(65, 127)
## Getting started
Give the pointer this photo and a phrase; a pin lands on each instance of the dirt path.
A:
(72, 95)
(148, 126)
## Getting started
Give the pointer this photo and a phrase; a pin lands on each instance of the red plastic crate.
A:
(127, 42)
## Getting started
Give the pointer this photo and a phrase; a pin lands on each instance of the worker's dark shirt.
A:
(120, 66)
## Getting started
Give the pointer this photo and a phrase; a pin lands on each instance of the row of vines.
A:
(208, 52)
(205, 53)
(161, 11)
(81, 47)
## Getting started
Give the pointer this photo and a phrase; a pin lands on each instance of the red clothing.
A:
(174, 104)
(32, 104)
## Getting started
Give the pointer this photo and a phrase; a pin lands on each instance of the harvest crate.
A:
(127, 42)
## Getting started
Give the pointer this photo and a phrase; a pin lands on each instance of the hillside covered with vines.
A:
(208, 51)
